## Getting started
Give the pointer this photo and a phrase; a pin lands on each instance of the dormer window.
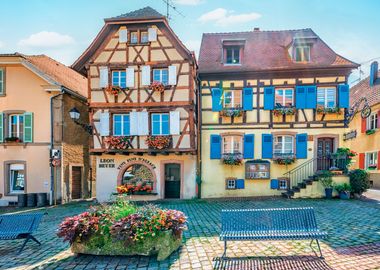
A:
(232, 55)
(302, 53)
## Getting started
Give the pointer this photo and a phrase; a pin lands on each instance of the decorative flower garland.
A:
(232, 159)
(228, 112)
(284, 160)
(159, 142)
(279, 111)
(157, 87)
(324, 110)
(118, 142)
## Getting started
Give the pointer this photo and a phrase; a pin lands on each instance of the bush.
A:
(343, 188)
(325, 177)
(359, 180)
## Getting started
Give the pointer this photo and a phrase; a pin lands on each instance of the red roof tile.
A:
(363, 89)
(267, 50)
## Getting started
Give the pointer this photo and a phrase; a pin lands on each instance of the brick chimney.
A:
(373, 73)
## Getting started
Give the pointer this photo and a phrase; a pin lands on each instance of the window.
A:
(284, 145)
(119, 78)
(1, 81)
(232, 144)
(134, 38)
(16, 126)
(302, 53)
(282, 184)
(16, 178)
(160, 124)
(121, 124)
(371, 160)
(232, 55)
(372, 122)
(284, 97)
(160, 75)
(232, 98)
(230, 183)
(326, 97)
(144, 37)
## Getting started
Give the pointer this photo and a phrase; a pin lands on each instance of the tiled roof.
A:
(60, 73)
(144, 13)
(267, 50)
(363, 89)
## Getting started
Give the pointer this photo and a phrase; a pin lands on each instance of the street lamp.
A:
(75, 115)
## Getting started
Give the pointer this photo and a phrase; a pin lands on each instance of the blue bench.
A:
(19, 226)
(270, 224)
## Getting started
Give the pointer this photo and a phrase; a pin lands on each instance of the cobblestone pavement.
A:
(353, 226)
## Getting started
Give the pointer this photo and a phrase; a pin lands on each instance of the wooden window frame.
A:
(7, 175)
(232, 143)
(325, 102)
(283, 145)
(160, 69)
(366, 163)
(227, 184)
(19, 132)
(147, 35)
(122, 124)
(229, 47)
(137, 37)
(119, 83)
(151, 123)
(283, 96)
(374, 121)
(233, 98)
(295, 53)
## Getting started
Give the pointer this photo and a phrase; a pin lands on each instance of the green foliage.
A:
(359, 180)
(343, 187)
(325, 177)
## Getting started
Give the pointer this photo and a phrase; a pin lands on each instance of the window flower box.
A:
(232, 159)
(138, 188)
(370, 131)
(118, 142)
(12, 140)
(115, 90)
(229, 112)
(279, 111)
(324, 110)
(159, 142)
(372, 167)
(124, 229)
(157, 87)
(285, 159)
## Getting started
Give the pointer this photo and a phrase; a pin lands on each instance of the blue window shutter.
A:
(216, 94)
(269, 98)
(300, 97)
(267, 146)
(274, 184)
(344, 96)
(301, 145)
(311, 97)
(248, 99)
(249, 145)
(239, 183)
(215, 147)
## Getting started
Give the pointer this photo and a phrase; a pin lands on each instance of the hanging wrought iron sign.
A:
(365, 113)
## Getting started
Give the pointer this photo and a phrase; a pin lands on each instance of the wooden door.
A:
(76, 184)
(172, 180)
(325, 149)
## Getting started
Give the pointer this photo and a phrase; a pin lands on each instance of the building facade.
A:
(270, 102)
(142, 98)
(41, 149)
(363, 135)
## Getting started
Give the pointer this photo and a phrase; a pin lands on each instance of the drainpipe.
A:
(199, 138)
(52, 184)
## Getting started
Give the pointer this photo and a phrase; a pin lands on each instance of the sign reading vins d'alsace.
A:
(349, 135)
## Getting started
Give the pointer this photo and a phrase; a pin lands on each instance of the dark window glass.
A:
(233, 55)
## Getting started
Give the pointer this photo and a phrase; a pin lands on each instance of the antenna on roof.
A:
(170, 5)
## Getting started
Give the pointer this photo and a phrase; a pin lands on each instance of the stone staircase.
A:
(302, 185)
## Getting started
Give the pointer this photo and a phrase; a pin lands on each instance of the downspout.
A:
(52, 184)
(199, 139)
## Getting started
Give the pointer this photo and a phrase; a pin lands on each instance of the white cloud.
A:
(193, 45)
(188, 2)
(46, 39)
(223, 17)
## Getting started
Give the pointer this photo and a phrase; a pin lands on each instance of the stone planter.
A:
(162, 245)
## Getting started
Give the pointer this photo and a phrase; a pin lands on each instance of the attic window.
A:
(302, 53)
(232, 55)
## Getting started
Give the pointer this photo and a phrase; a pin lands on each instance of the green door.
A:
(172, 181)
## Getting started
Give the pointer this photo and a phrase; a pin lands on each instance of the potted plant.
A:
(157, 87)
(159, 142)
(325, 177)
(235, 111)
(279, 111)
(344, 191)
(370, 131)
(372, 167)
(232, 159)
(324, 110)
(12, 140)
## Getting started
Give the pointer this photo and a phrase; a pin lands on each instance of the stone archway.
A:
(134, 166)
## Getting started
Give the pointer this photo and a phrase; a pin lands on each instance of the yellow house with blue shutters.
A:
(272, 109)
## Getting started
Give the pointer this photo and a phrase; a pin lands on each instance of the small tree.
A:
(359, 180)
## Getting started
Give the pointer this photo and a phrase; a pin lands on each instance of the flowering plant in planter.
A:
(235, 111)
(122, 228)
(159, 142)
(372, 167)
(118, 142)
(324, 110)
(284, 159)
(279, 111)
(13, 139)
(143, 187)
(232, 158)
(370, 131)
(157, 86)
(114, 89)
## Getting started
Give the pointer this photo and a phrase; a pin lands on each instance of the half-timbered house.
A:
(142, 98)
(273, 105)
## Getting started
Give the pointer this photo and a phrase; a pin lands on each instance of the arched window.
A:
(137, 173)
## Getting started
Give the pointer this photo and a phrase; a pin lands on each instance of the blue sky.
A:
(63, 29)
